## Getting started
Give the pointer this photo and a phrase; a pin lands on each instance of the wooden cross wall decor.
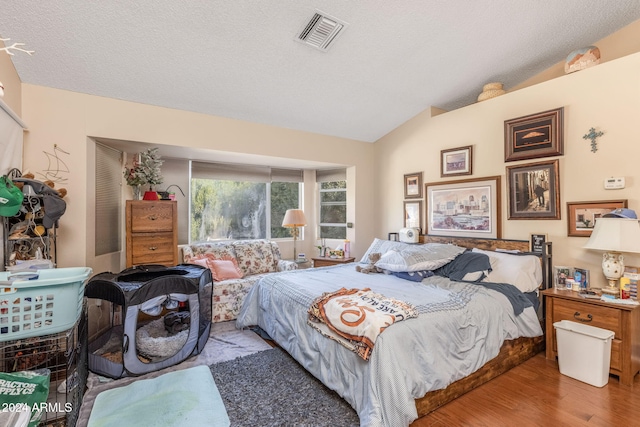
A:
(592, 135)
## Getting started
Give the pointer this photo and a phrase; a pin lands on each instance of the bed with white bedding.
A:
(460, 326)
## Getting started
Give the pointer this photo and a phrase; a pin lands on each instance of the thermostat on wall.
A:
(614, 183)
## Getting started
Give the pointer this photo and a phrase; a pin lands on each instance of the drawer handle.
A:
(582, 319)
(153, 217)
(153, 248)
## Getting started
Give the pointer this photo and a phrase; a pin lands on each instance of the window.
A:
(241, 202)
(108, 199)
(333, 203)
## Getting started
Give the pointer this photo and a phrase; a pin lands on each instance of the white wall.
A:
(606, 97)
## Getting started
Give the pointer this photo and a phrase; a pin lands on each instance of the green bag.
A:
(23, 397)
(10, 197)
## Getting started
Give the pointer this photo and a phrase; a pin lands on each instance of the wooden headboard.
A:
(505, 244)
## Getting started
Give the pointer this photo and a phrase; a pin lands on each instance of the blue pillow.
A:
(414, 276)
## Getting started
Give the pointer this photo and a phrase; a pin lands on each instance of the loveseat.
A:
(235, 266)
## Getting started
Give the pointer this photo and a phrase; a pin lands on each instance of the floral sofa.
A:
(235, 266)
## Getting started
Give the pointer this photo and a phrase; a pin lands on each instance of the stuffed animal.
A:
(371, 267)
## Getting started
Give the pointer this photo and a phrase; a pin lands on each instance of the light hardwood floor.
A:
(536, 394)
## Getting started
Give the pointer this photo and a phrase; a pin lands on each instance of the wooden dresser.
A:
(152, 232)
(623, 320)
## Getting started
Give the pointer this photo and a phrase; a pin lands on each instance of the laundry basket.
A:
(40, 302)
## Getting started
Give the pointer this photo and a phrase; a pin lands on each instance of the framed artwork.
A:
(464, 208)
(413, 214)
(413, 185)
(534, 136)
(456, 161)
(537, 242)
(534, 191)
(582, 216)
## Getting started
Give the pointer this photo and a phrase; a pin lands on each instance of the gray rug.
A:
(270, 388)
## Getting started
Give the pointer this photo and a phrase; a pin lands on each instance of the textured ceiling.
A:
(239, 59)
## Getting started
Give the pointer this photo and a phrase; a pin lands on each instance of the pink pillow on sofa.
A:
(224, 269)
(203, 262)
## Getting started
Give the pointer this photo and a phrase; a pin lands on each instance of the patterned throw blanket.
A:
(355, 317)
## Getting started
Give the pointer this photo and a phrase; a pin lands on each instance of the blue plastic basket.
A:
(40, 302)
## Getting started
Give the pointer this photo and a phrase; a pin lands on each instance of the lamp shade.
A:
(615, 234)
(294, 218)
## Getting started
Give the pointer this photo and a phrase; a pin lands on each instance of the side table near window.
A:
(322, 261)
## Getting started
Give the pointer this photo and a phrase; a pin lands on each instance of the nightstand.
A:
(322, 261)
(623, 320)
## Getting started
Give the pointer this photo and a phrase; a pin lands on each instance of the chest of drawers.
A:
(623, 320)
(152, 232)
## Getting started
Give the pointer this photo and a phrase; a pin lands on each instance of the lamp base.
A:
(611, 291)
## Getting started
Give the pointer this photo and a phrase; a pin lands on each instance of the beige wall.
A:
(71, 120)
(606, 97)
(11, 82)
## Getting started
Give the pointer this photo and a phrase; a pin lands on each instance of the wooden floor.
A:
(536, 394)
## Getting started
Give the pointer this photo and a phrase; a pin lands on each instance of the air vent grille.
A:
(321, 31)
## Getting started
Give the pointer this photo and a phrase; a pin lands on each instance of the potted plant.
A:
(149, 171)
(134, 178)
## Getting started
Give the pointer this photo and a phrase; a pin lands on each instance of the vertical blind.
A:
(108, 199)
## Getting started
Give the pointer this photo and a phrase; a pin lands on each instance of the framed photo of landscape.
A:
(534, 136)
(456, 161)
(464, 208)
(413, 185)
(534, 190)
(582, 216)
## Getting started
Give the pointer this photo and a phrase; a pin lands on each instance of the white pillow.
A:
(419, 257)
(383, 246)
(522, 271)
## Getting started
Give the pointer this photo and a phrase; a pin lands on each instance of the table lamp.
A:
(293, 219)
(614, 233)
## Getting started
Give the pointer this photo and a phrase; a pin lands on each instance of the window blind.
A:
(108, 199)
(331, 175)
(236, 172)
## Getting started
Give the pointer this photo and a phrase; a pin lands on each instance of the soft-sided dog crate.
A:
(140, 297)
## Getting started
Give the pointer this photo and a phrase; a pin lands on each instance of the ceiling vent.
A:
(321, 31)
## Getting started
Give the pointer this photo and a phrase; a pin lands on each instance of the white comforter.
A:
(459, 328)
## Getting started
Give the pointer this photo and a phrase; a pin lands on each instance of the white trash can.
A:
(584, 352)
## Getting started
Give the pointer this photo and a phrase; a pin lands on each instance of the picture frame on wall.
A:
(534, 136)
(413, 185)
(464, 208)
(582, 216)
(456, 161)
(534, 190)
(413, 214)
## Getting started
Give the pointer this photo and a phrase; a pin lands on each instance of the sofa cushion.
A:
(218, 250)
(254, 256)
(224, 269)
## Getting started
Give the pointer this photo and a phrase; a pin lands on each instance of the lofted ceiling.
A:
(240, 59)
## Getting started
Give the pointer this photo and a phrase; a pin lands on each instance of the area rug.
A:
(270, 388)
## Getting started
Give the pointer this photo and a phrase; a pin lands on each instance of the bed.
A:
(465, 332)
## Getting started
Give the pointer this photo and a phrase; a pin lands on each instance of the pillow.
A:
(414, 276)
(203, 262)
(383, 246)
(419, 257)
(469, 266)
(224, 269)
(522, 271)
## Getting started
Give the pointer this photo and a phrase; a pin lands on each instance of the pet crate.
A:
(64, 354)
(40, 302)
(147, 303)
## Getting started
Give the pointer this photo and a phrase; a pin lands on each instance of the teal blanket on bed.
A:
(185, 398)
